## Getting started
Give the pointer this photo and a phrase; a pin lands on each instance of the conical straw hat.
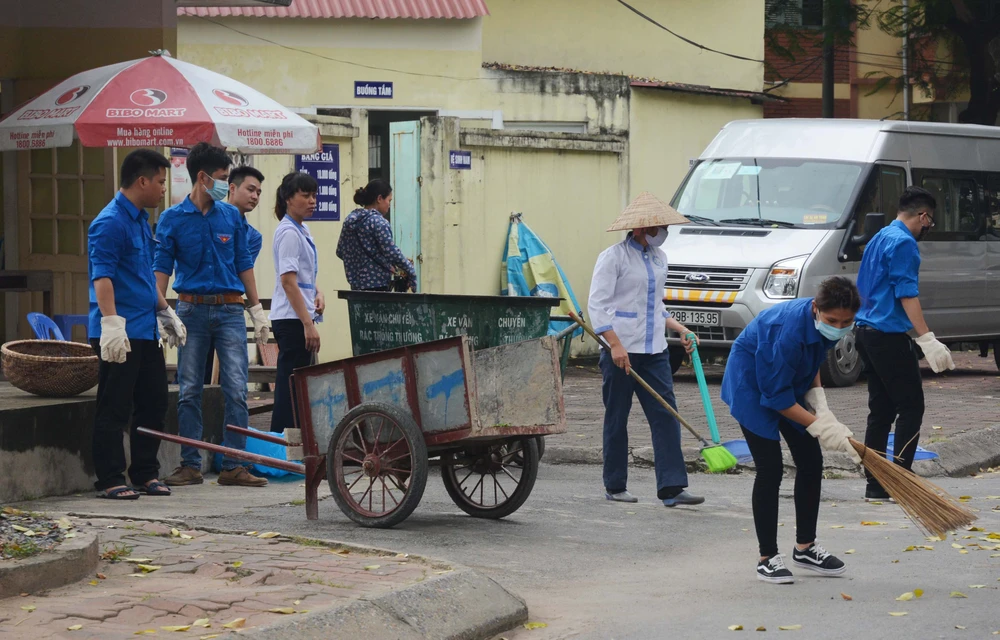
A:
(647, 211)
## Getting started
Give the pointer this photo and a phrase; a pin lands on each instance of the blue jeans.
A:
(224, 326)
(618, 388)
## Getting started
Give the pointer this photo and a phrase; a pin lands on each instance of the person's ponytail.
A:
(370, 193)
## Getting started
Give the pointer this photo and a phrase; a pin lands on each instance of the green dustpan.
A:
(717, 457)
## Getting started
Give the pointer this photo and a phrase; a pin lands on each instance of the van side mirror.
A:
(873, 224)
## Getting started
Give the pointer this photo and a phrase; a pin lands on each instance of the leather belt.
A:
(222, 298)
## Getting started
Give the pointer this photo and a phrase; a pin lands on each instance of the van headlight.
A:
(782, 281)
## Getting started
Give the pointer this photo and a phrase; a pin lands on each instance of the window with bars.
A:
(66, 192)
(374, 151)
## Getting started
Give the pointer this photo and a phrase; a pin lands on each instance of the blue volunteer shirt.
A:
(209, 250)
(255, 240)
(890, 268)
(120, 247)
(772, 365)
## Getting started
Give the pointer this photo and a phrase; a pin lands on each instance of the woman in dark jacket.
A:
(371, 258)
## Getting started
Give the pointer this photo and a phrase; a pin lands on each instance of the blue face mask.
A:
(832, 333)
(219, 190)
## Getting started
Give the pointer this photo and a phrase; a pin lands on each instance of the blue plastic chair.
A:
(44, 327)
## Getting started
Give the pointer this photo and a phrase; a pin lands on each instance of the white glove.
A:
(938, 355)
(172, 330)
(816, 401)
(114, 342)
(260, 329)
(833, 435)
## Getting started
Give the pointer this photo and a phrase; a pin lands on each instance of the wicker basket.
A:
(51, 368)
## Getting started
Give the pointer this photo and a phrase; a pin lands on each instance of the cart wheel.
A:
(492, 480)
(377, 465)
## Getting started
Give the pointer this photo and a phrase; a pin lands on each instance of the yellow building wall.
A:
(604, 36)
(669, 129)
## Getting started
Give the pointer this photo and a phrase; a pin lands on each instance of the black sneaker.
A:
(818, 559)
(877, 494)
(773, 570)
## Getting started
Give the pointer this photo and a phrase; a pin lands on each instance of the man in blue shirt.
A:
(244, 194)
(125, 308)
(888, 282)
(204, 243)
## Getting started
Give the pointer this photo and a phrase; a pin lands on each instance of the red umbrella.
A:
(156, 102)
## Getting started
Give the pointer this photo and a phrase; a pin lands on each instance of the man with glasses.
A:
(890, 309)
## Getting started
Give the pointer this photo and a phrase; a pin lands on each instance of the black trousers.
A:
(895, 393)
(767, 458)
(129, 395)
(292, 354)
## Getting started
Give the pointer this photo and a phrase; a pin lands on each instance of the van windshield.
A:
(769, 192)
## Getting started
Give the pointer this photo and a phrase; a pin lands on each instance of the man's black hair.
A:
(916, 199)
(237, 175)
(141, 163)
(205, 157)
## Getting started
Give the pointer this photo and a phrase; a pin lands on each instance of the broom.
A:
(717, 457)
(929, 506)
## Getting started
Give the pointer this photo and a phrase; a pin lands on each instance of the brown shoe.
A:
(183, 476)
(240, 477)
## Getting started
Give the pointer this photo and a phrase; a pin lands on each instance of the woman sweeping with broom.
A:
(771, 377)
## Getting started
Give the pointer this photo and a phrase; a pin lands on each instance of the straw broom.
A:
(929, 506)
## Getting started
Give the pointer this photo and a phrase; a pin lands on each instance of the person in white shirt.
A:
(626, 308)
(297, 305)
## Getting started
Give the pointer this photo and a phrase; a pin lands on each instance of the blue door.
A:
(404, 175)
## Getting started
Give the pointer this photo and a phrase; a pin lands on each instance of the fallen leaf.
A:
(297, 602)
(269, 534)
(918, 592)
(75, 627)
(185, 627)
(17, 527)
(963, 551)
(936, 428)
(210, 636)
(202, 622)
(977, 586)
(238, 564)
(876, 502)
(846, 597)
(145, 632)
(849, 552)
(957, 594)
(137, 575)
(64, 523)
(958, 626)
(630, 513)
(871, 523)
(185, 536)
(174, 533)
(790, 627)
(196, 556)
(29, 608)
(406, 555)
(71, 534)
(149, 568)
(935, 539)
(906, 596)
(736, 627)
(993, 536)
(761, 629)
(897, 614)
(895, 562)
(965, 497)
(372, 567)
(235, 624)
(910, 548)
(283, 610)
(955, 545)
(531, 626)
(976, 529)
(251, 533)
(101, 576)
(837, 526)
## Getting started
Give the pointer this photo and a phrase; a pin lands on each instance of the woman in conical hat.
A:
(626, 309)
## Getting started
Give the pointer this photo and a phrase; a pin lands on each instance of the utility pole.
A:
(828, 25)
(907, 93)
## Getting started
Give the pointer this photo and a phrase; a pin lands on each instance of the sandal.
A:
(154, 488)
(117, 494)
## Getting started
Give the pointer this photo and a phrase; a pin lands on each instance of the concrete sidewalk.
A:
(962, 411)
(159, 576)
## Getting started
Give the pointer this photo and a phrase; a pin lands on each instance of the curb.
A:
(463, 605)
(72, 561)
(961, 455)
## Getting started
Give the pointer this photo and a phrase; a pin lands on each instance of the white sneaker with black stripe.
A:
(818, 559)
(773, 570)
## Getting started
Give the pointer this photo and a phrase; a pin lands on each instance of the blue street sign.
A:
(325, 168)
(370, 89)
(460, 159)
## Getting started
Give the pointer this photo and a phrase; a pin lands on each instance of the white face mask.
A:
(659, 238)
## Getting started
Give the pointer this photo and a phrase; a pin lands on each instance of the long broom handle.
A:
(706, 399)
(586, 327)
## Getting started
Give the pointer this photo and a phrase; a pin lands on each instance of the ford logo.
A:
(697, 277)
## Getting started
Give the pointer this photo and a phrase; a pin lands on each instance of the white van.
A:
(779, 205)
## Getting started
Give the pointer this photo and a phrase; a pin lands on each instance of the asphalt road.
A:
(592, 569)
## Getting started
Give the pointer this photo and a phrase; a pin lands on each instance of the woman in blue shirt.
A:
(771, 377)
